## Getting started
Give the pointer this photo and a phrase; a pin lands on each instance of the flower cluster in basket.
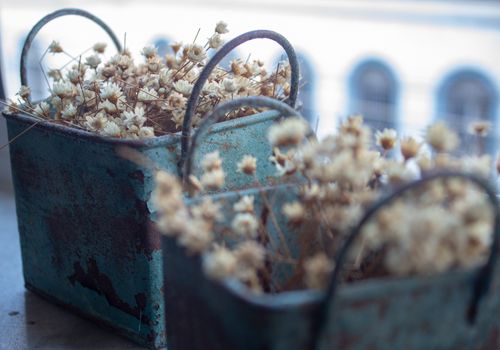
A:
(120, 98)
(446, 224)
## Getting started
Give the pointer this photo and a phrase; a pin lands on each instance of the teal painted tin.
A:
(454, 310)
(84, 211)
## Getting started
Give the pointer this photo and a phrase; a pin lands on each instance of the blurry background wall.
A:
(401, 64)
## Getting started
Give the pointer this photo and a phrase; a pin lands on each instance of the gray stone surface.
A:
(29, 322)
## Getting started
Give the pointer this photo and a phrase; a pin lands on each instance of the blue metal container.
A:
(455, 310)
(84, 211)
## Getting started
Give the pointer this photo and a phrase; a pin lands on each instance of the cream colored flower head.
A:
(215, 41)
(290, 132)
(99, 47)
(318, 270)
(386, 138)
(183, 87)
(480, 128)
(220, 263)
(294, 211)
(409, 147)
(149, 51)
(247, 165)
(214, 179)
(221, 27)
(211, 161)
(245, 225)
(244, 205)
(55, 47)
(197, 53)
(441, 138)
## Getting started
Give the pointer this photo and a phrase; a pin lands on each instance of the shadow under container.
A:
(455, 310)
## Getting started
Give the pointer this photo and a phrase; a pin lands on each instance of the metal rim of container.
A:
(212, 63)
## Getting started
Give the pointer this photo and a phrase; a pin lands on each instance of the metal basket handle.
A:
(482, 281)
(212, 63)
(221, 110)
(51, 16)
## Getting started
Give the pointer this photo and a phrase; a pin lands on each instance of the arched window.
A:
(374, 90)
(467, 96)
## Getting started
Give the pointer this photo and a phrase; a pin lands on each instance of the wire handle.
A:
(212, 63)
(221, 110)
(51, 16)
(482, 281)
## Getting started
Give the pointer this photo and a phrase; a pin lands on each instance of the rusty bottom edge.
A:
(105, 324)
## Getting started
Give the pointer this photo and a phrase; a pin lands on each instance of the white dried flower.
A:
(441, 138)
(93, 61)
(69, 111)
(409, 147)
(294, 211)
(176, 101)
(63, 89)
(135, 117)
(196, 237)
(247, 165)
(55, 74)
(108, 106)
(208, 210)
(211, 161)
(147, 95)
(229, 85)
(386, 138)
(214, 179)
(111, 129)
(215, 41)
(111, 92)
(183, 87)
(99, 47)
(24, 92)
(197, 53)
(55, 47)
(480, 128)
(318, 270)
(219, 264)
(221, 27)
(149, 51)
(96, 123)
(146, 132)
(42, 109)
(250, 254)
(290, 132)
(244, 205)
(245, 225)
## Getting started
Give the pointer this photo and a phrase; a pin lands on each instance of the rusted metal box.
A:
(84, 212)
(455, 310)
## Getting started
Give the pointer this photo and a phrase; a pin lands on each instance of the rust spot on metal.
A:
(97, 281)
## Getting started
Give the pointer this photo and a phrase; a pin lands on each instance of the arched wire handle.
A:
(221, 110)
(51, 16)
(482, 281)
(219, 55)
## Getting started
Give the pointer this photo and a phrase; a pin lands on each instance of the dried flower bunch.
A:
(119, 98)
(443, 225)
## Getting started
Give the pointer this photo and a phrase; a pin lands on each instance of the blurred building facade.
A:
(401, 64)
